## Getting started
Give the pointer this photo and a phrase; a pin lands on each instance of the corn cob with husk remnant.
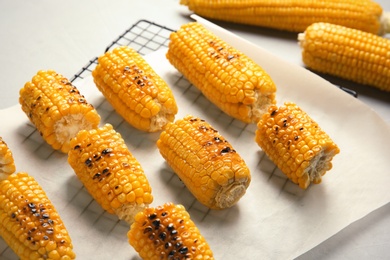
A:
(29, 223)
(167, 232)
(295, 15)
(7, 163)
(110, 173)
(56, 108)
(134, 89)
(296, 144)
(226, 76)
(347, 53)
(205, 161)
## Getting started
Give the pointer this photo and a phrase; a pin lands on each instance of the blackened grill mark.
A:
(225, 150)
(230, 57)
(107, 151)
(88, 162)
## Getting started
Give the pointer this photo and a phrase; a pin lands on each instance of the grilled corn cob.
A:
(29, 223)
(347, 53)
(134, 89)
(56, 108)
(227, 77)
(205, 161)
(167, 232)
(110, 173)
(295, 15)
(7, 163)
(296, 144)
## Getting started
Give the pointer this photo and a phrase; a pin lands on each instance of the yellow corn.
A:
(295, 15)
(7, 163)
(227, 77)
(29, 223)
(205, 161)
(110, 173)
(347, 53)
(134, 89)
(56, 108)
(296, 144)
(167, 232)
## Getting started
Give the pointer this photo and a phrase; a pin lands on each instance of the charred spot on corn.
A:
(7, 162)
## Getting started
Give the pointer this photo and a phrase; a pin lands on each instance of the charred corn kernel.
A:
(134, 89)
(295, 15)
(227, 77)
(296, 144)
(347, 53)
(29, 222)
(7, 163)
(56, 108)
(205, 161)
(110, 173)
(167, 232)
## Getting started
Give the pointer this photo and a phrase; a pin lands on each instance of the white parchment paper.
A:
(275, 219)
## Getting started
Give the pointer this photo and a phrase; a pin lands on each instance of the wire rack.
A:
(144, 36)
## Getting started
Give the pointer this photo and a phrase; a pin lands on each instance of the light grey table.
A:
(65, 35)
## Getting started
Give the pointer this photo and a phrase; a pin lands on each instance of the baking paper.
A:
(275, 219)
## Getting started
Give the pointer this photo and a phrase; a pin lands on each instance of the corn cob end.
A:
(385, 23)
(127, 212)
(229, 195)
(7, 164)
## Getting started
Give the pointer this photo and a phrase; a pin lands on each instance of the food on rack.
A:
(56, 108)
(29, 222)
(134, 89)
(296, 144)
(347, 53)
(296, 15)
(167, 232)
(205, 161)
(227, 77)
(109, 171)
(7, 163)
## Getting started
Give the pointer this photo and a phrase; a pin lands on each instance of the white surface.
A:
(65, 35)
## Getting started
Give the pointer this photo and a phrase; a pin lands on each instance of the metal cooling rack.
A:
(144, 37)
